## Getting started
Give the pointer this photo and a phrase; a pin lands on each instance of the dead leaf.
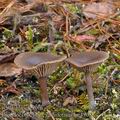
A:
(69, 100)
(3, 82)
(101, 9)
(81, 38)
(10, 89)
(101, 39)
(56, 89)
(117, 81)
(84, 38)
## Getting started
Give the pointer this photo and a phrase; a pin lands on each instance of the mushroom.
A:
(41, 65)
(9, 69)
(87, 62)
(7, 57)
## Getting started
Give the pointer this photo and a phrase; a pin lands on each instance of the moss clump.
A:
(1, 106)
(71, 83)
(17, 110)
(40, 115)
(24, 103)
(63, 113)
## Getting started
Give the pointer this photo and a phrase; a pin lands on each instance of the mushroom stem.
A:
(90, 90)
(43, 89)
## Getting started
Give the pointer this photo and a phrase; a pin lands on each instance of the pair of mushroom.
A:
(43, 64)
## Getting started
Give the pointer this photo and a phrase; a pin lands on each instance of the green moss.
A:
(7, 33)
(24, 103)
(93, 32)
(40, 115)
(63, 114)
(17, 110)
(71, 83)
(1, 106)
(73, 8)
(36, 92)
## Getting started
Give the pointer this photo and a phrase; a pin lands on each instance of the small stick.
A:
(64, 77)
(102, 114)
(67, 24)
(61, 80)
(50, 114)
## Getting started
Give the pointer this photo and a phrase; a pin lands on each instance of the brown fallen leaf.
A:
(3, 82)
(101, 39)
(82, 38)
(69, 100)
(117, 81)
(101, 9)
(56, 89)
(10, 89)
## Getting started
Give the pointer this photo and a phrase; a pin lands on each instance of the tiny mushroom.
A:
(87, 62)
(41, 65)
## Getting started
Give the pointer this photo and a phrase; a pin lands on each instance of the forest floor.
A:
(60, 28)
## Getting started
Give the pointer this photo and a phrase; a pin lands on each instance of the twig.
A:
(50, 114)
(61, 80)
(106, 87)
(67, 24)
(64, 77)
(102, 114)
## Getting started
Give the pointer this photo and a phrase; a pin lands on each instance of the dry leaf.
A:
(10, 89)
(79, 38)
(69, 100)
(101, 39)
(103, 9)
(56, 89)
(3, 82)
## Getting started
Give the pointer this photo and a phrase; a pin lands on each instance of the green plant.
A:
(7, 33)
(71, 82)
(29, 36)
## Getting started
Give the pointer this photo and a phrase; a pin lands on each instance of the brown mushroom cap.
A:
(87, 60)
(9, 69)
(7, 57)
(41, 64)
